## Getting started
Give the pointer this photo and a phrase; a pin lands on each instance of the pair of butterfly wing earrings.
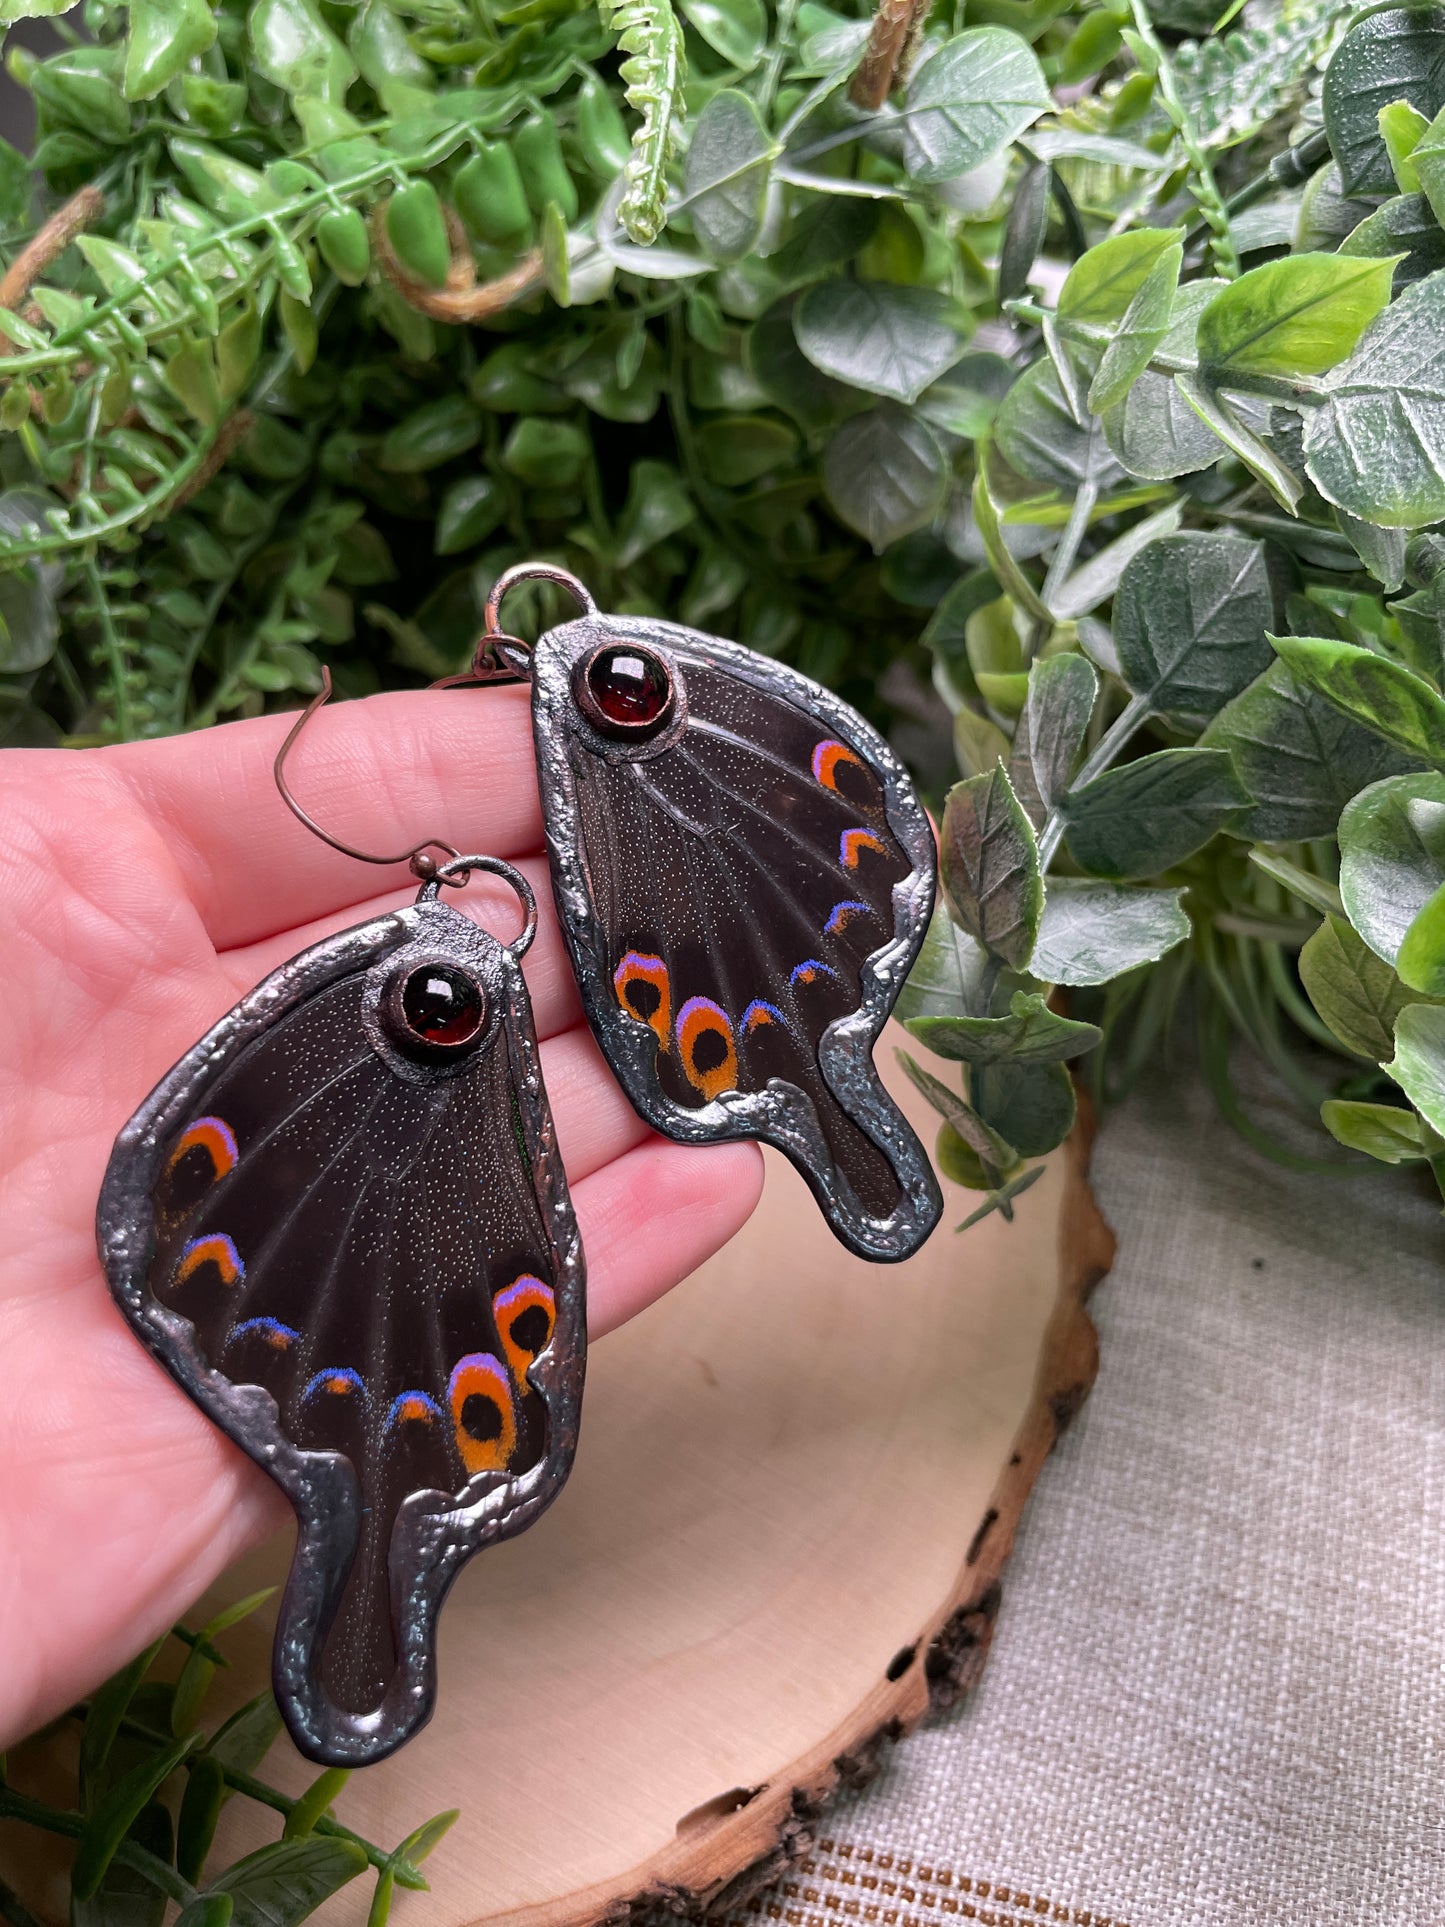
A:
(342, 1223)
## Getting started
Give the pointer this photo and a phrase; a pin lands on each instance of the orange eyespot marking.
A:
(809, 971)
(483, 1416)
(853, 843)
(525, 1313)
(338, 1381)
(270, 1331)
(705, 1045)
(644, 990)
(217, 1250)
(826, 758)
(212, 1135)
(759, 1013)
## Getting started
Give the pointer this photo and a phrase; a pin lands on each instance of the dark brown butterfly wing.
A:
(743, 894)
(363, 1264)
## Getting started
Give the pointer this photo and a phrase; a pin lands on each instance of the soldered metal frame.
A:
(435, 1533)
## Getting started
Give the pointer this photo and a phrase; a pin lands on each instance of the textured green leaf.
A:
(1382, 695)
(1031, 1106)
(1190, 621)
(1141, 329)
(1031, 1032)
(984, 1142)
(1421, 959)
(876, 335)
(1091, 931)
(885, 474)
(108, 1707)
(293, 46)
(990, 867)
(1152, 813)
(1382, 1131)
(280, 1884)
(947, 977)
(736, 29)
(1394, 54)
(115, 1814)
(1377, 445)
(1405, 226)
(1355, 992)
(1050, 732)
(969, 100)
(1036, 434)
(1299, 757)
(1392, 857)
(1418, 1065)
(1104, 283)
(726, 176)
(1295, 316)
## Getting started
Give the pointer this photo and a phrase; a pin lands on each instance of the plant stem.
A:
(70, 1825)
(1085, 498)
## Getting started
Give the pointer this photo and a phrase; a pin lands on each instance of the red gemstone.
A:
(630, 687)
(442, 1005)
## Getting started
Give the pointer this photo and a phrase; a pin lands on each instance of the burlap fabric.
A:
(1217, 1693)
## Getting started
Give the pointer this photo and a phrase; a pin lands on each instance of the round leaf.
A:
(885, 474)
(875, 335)
(965, 104)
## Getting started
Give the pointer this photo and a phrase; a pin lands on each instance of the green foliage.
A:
(150, 1786)
(1079, 412)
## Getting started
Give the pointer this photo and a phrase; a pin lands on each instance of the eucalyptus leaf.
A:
(1032, 1106)
(1299, 757)
(1030, 1033)
(1418, 1065)
(876, 335)
(1091, 931)
(969, 100)
(885, 474)
(1392, 857)
(1190, 621)
(985, 1142)
(989, 866)
(1150, 814)
(1355, 992)
(726, 177)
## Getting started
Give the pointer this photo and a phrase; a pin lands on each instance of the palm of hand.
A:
(142, 891)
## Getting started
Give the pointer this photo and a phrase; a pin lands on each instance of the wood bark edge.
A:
(745, 1838)
(891, 42)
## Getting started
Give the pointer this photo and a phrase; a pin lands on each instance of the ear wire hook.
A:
(501, 657)
(425, 868)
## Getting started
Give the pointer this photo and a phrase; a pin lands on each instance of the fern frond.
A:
(1234, 84)
(649, 33)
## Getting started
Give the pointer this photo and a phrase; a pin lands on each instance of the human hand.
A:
(143, 890)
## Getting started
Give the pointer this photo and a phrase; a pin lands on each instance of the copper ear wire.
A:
(500, 657)
(424, 868)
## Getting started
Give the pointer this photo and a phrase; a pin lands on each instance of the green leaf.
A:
(659, 503)
(1104, 283)
(1382, 1131)
(114, 1815)
(165, 36)
(1002, 1196)
(1299, 757)
(293, 46)
(108, 1707)
(1143, 326)
(208, 1910)
(247, 1737)
(1377, 444)
(424, 1840)
(1050, 732)
(431, 435)
(1092, 931)
(1036, 434)
(786, 376)
(1097, 579)
(885, 474)
(736, 29)
(314, 1803)
(1385, 697)
(1152, 813)
(959, 1162)
(877, 335)
(201, 1805)
(379, 1913)
(1355, 992)
(1031, 1033)
(985, 1143)
(1421, 959)
(726, 177)
(654, 71)
(1418, 1065)
(1405, 226)
(127, 1897)
(280, 1884)
(968, 101)
(1190, 621)
(947, 977)
(1295, 316)
(1030, 1106)
(1392, 857)
(990, 867)
(469, 511)
(1394, 54)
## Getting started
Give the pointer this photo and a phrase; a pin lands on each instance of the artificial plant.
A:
(1072, 374)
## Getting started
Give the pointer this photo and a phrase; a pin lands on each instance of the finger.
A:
(381, 774)
(596, 1123)
(489, 900)
(650, 1218)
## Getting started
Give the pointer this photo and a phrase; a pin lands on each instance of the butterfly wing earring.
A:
(744, 876)
(341, 1224)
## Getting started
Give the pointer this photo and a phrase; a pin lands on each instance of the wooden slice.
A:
(798, 1485)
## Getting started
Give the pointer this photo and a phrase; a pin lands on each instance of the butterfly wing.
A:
(744, 881)
(350, 1240)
